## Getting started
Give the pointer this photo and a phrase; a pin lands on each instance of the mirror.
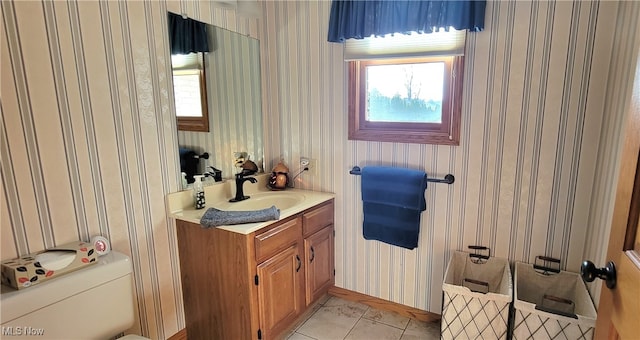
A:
(233, 99)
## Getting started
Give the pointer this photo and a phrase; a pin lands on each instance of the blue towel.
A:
(393, 199)
(214, 217)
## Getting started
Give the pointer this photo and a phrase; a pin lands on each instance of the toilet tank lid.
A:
(16, 303)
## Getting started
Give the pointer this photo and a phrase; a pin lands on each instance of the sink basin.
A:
(265, 200)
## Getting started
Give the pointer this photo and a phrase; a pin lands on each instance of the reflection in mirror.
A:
(190, 91)
(232, 83)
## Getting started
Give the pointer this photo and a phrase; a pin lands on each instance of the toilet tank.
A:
(92, 303)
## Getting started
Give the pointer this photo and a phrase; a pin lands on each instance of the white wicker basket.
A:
(534, 320)
(468, 314)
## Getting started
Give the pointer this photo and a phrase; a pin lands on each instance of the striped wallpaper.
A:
(234, 99)
(88, 142)
(534, 91)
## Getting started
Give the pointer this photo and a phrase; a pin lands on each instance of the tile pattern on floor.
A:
(338, 319)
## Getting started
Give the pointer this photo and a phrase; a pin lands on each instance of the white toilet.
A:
(91, 303)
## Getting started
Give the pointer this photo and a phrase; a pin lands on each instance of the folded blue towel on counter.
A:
(393, 199)
(214, 217)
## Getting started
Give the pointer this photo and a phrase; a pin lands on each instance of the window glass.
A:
(406, 88)
(406, 93)
(186, 87)
(190, 92)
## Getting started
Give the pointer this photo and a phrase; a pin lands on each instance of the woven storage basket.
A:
(468, 314)
(551, 306)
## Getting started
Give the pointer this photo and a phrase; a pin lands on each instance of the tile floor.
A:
(336, 319)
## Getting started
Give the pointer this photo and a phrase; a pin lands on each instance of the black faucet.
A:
(240, 179)
(215, 173)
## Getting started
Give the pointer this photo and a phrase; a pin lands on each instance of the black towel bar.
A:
(449, 179)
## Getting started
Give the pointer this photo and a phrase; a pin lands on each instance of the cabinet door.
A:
(280, 291)
(319, 274)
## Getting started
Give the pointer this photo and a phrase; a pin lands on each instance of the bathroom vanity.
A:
(253, 281)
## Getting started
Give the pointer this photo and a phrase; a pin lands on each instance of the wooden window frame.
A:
(198, 124)
(445, 133)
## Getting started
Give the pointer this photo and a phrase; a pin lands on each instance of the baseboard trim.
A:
(406, 311)
(181, 335)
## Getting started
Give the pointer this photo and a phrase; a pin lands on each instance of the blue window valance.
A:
(187, 35)
(360, 19)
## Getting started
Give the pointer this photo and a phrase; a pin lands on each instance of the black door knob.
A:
(589, 272)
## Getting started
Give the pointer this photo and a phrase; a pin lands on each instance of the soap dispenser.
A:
(198, 192)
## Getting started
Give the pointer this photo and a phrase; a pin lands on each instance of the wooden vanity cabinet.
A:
(254, 286)
(280, 276)
(319, 257)
(279, 295)
(319, 254)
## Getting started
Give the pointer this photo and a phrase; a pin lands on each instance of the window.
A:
(190, 92)
(400, 93)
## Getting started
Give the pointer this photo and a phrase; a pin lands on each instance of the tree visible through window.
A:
(408, 93)
(413, 100)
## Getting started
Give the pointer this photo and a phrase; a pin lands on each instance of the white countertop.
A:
(180, 204)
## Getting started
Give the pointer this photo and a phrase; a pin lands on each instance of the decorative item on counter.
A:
(249, 168)
(44, 265)
(239, 158)
(279, 178)
(101, 245)
(198, 193)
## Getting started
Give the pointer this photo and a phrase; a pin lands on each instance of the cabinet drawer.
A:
(317, 219)
(277, 238)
